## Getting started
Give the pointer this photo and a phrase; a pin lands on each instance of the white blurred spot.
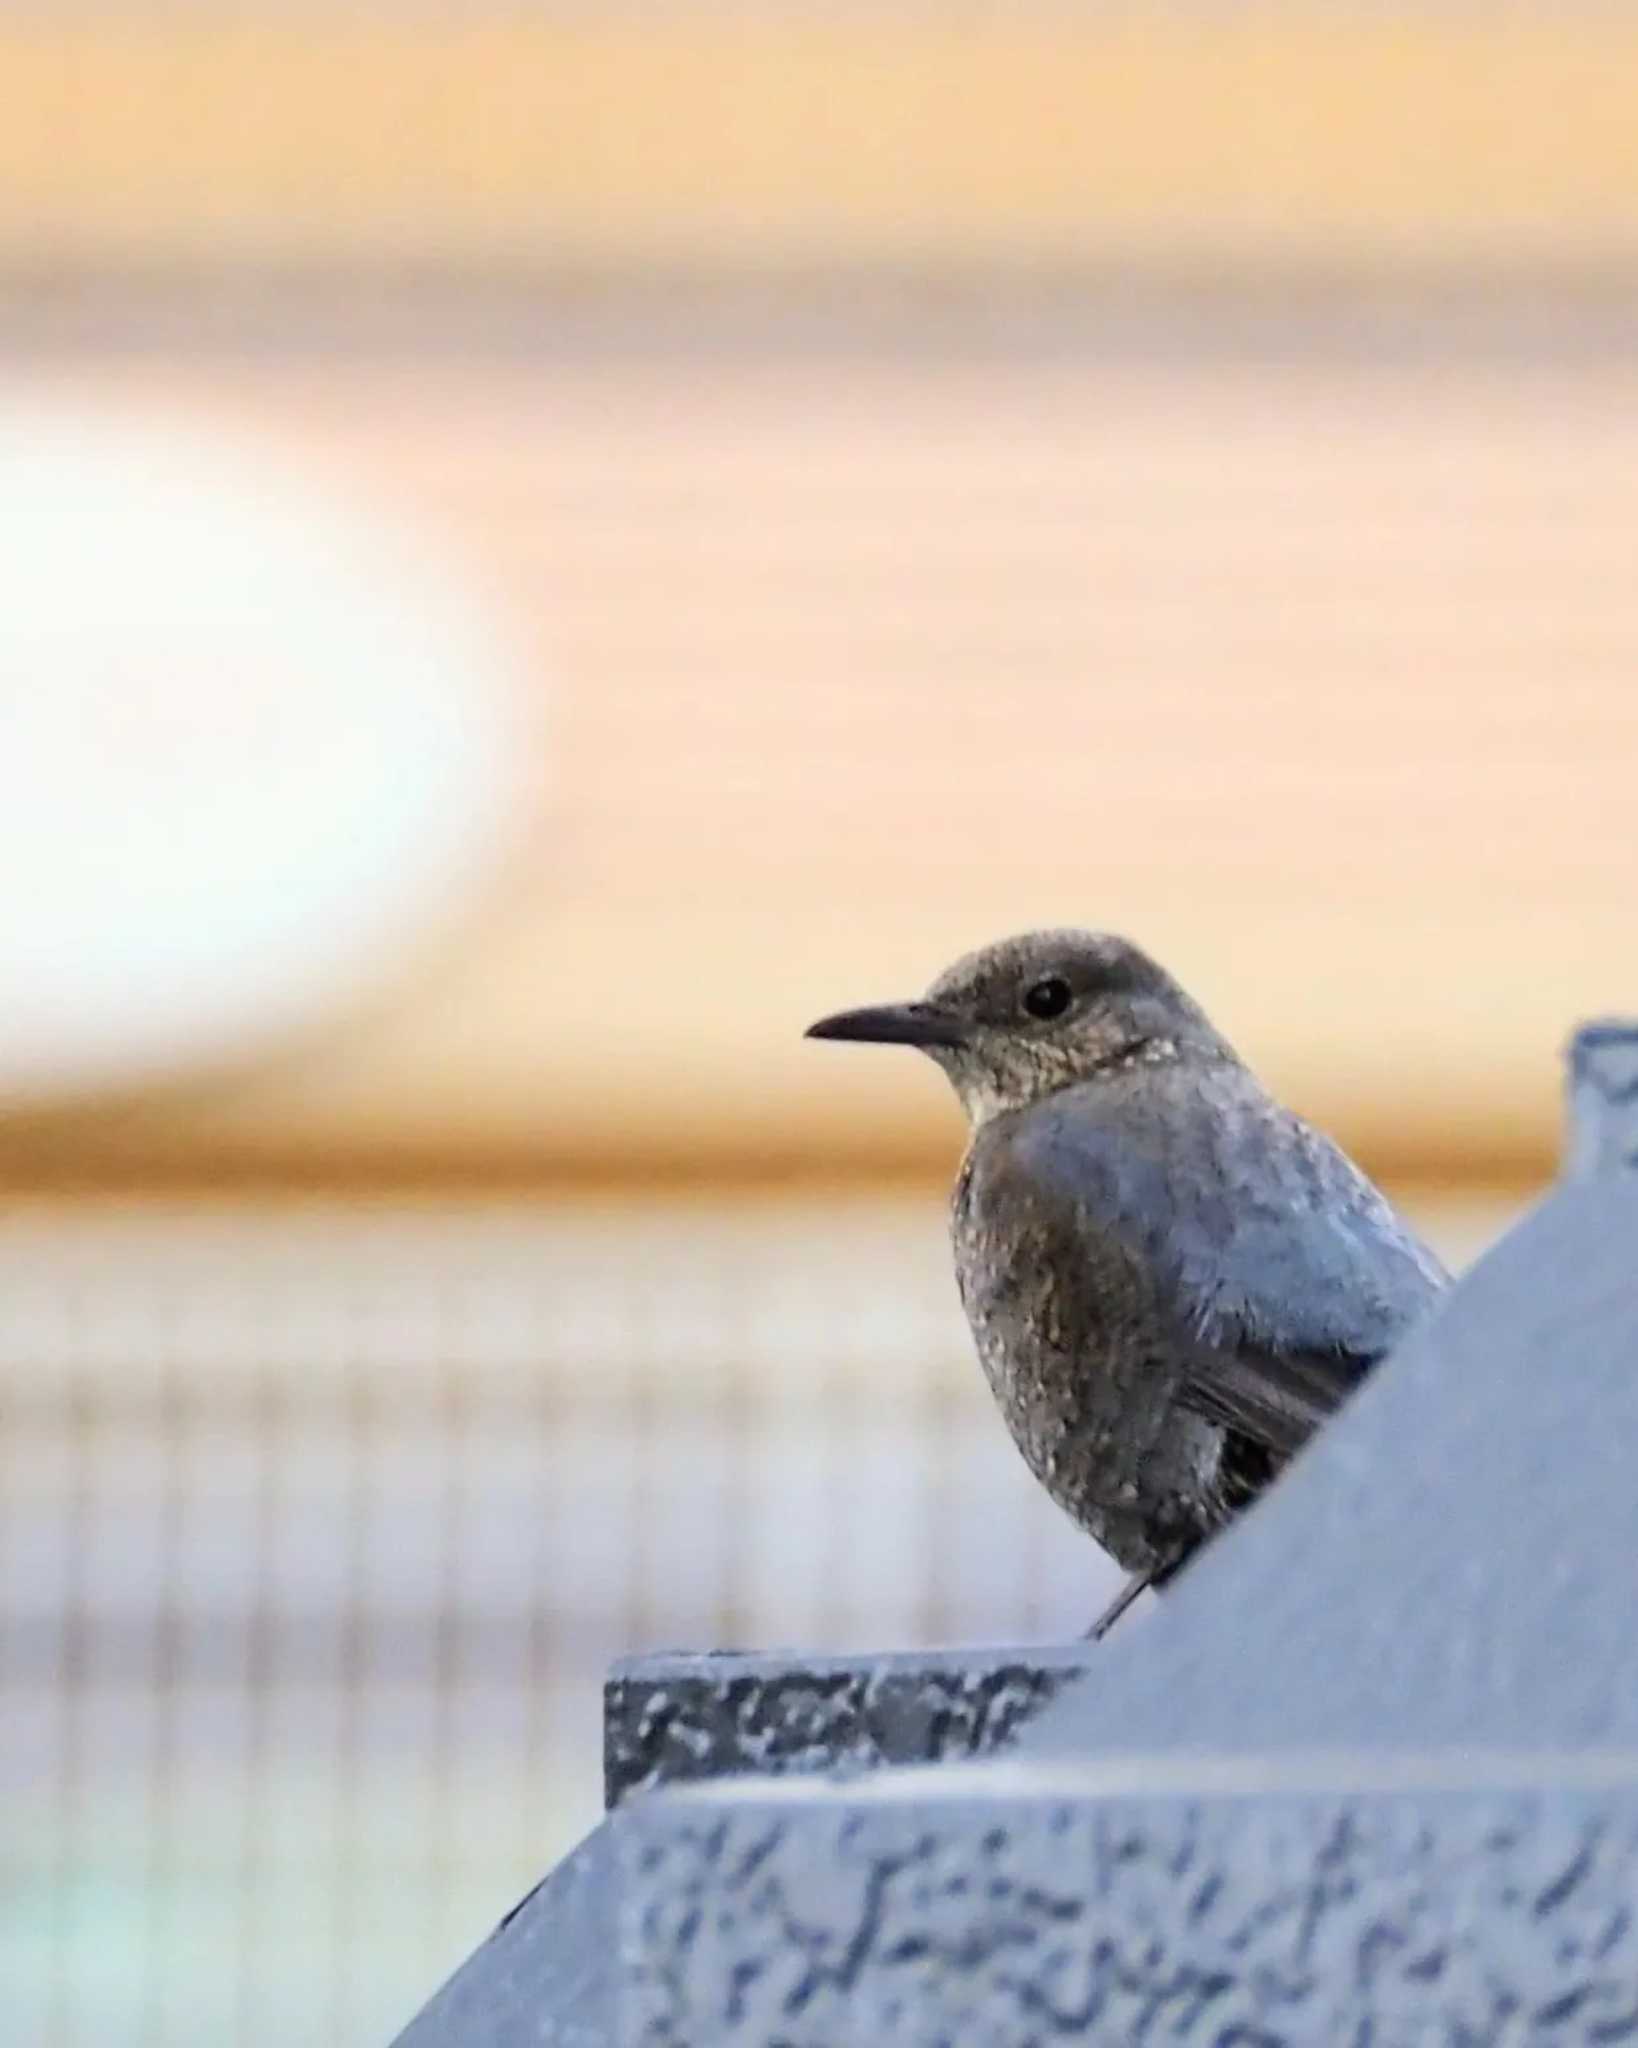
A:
(253, 749)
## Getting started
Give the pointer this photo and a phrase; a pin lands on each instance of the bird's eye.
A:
(1048, 998)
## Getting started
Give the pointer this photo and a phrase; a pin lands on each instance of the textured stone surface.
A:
(1449, 1563)
(1483, 1915)
(544, 1978)
(668, 1720)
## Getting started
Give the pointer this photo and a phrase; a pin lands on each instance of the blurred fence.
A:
(317, 1528)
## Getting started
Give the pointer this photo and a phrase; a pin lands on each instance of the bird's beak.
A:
(891, 1024)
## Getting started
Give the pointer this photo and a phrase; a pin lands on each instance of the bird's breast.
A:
(1070, 1345)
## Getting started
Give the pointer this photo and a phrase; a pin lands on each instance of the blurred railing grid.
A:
(318, 1533)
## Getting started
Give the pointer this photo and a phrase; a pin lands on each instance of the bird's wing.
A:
(1272, 1398)
(1287, 1274)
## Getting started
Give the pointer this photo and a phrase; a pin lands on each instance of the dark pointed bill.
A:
(891, 1024)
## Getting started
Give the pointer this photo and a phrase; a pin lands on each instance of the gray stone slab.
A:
(1316, 1908)
(1453, 1561)
(545, 1977)
(672, 1719)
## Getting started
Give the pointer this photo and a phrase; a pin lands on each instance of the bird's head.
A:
(1027, 1016)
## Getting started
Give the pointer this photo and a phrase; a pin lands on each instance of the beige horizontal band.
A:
(1278, 134)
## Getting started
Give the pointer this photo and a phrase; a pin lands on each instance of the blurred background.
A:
(543, 546)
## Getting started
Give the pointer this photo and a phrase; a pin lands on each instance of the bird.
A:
(1171, 1280)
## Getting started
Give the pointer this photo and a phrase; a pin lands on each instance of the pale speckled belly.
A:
(1097, 1422)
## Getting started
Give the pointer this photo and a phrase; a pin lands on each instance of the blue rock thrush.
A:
(1171, 1280)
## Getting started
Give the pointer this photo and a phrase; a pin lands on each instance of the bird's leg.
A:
(1153, 1577)
(1139, 1582)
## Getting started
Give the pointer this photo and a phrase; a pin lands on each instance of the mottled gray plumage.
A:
(1171, 1280)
